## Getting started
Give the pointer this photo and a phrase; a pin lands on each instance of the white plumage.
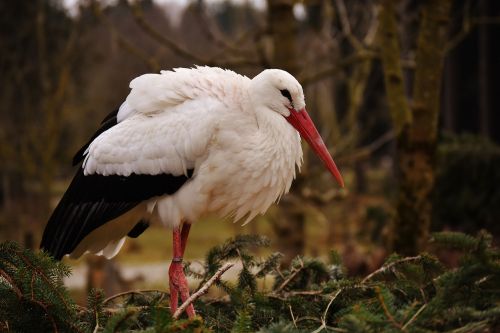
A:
(244, 156)
(185, 143)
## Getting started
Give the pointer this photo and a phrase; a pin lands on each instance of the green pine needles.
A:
(412, 294)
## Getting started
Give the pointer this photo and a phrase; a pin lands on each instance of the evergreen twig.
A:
(387, 313)
(462, 299)
(291, 276)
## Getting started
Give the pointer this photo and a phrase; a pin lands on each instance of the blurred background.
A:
(403, 93)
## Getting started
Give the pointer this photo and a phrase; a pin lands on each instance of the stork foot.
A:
(179, 286)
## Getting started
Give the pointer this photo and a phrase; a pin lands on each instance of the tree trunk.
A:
(416, 128)
(283, 30)
(450, 92)
(417, 141)
(289, 223)
(485, 69)
(390, 53)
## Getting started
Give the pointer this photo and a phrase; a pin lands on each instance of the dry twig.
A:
(367, 150)
(329, 72)
(303, 293)
(123, 42)
(182, 52)
(385, 268)
(468, 25)
(290, 278)
(130, 292)
(323, 318)
(159, 37)
(346, 26)
(202, 291)
(412, 319)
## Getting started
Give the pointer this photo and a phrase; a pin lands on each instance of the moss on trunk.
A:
(416, 126)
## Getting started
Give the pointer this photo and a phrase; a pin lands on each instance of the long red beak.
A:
(301, 121)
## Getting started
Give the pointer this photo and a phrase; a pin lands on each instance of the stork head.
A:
(279, 91)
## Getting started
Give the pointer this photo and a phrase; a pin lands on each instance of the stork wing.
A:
(108, 122)
(93, 200)
(126, 163)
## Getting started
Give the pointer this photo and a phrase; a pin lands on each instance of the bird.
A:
(185, 143)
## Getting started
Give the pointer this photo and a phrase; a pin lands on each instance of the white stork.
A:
(185, 143)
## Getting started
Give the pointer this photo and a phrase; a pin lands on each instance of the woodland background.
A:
(403, 92)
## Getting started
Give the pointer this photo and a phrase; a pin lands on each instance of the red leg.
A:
(178, 282)
(184, 235)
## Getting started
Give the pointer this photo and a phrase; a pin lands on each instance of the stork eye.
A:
(286, 94)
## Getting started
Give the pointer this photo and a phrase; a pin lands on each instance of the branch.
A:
(159, 37)
(385, 268)
(260, 48)
(412, 319)
(123, 42)
(18, 292)
(367, 150)
(130, 292)
(290, 278)
(303, 293)
(46, 310)
(387, 312)
(203, 290)
(329, 72)
(323, 318)
(218, 38)
(292, 315)
(133, 309)
(373, 28)
(179, 51)
(346, 26)
(467, 27)
(19, 295)
(40, 273)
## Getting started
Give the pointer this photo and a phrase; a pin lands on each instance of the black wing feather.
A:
(138, 229)
(92, 200)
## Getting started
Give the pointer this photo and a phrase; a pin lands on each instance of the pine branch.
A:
(290, 277)
(44, 277)
(6, 276)
(454, 300)
(387, 313)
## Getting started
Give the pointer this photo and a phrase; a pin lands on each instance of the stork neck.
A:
(272, 123)
(276, 134)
